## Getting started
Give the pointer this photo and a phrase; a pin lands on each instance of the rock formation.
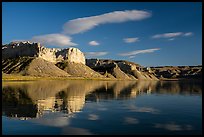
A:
(120, 69)
(22, 49)
(178, 72)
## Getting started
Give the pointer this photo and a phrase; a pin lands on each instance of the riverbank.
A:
(13, 77)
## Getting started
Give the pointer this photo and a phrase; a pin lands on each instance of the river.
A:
(101, 107)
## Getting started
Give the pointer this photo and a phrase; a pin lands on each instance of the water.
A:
(101, 107)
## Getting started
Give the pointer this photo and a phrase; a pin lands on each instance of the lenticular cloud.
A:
(80, 25)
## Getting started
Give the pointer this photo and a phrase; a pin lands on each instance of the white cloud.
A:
(132, 53)
(94, 43)
(131, 57)
(80, 25)
(171, 39)
(188, 34)
(167, 35)
(130, 40)
(94, 54)
(18, 40)
(54, 39)
(172, 35)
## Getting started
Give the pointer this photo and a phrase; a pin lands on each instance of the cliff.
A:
(28, 49)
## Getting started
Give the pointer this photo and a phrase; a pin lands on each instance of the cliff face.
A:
(28, 49)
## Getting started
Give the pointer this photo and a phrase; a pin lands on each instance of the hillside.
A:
(30, 66)
(78, 69)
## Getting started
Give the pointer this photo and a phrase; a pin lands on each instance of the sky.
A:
(147, 33)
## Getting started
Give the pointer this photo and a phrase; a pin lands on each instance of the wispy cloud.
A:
(131, 57)
(132, 53)
(94, 43)
(130, 40)
(188, 34)
(95, 54)
(80, 25)
(171, 39)
(171, 36)
(167, 35)
(54, 39)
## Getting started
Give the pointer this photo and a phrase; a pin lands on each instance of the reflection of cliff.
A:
(122, 90)
(179, 87)
(67, 96)
(76, 92)
(17, 103)
(32, 99)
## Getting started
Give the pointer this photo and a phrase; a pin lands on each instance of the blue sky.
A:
(148, 33)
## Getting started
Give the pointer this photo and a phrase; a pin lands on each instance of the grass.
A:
(13, 77)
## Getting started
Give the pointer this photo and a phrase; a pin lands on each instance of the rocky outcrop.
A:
(171, 72)
(28, 49)
(120, 69)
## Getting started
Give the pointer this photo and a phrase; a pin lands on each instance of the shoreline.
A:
(8, 77)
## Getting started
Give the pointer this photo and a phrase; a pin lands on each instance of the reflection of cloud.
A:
(93, 117)
(130, 120)
(143, 109)
(75, 131)
(53, 119)
(173, 127)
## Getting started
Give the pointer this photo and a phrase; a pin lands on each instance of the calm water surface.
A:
(101, 107)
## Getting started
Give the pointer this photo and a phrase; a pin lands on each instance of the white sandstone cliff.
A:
(26, 48)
